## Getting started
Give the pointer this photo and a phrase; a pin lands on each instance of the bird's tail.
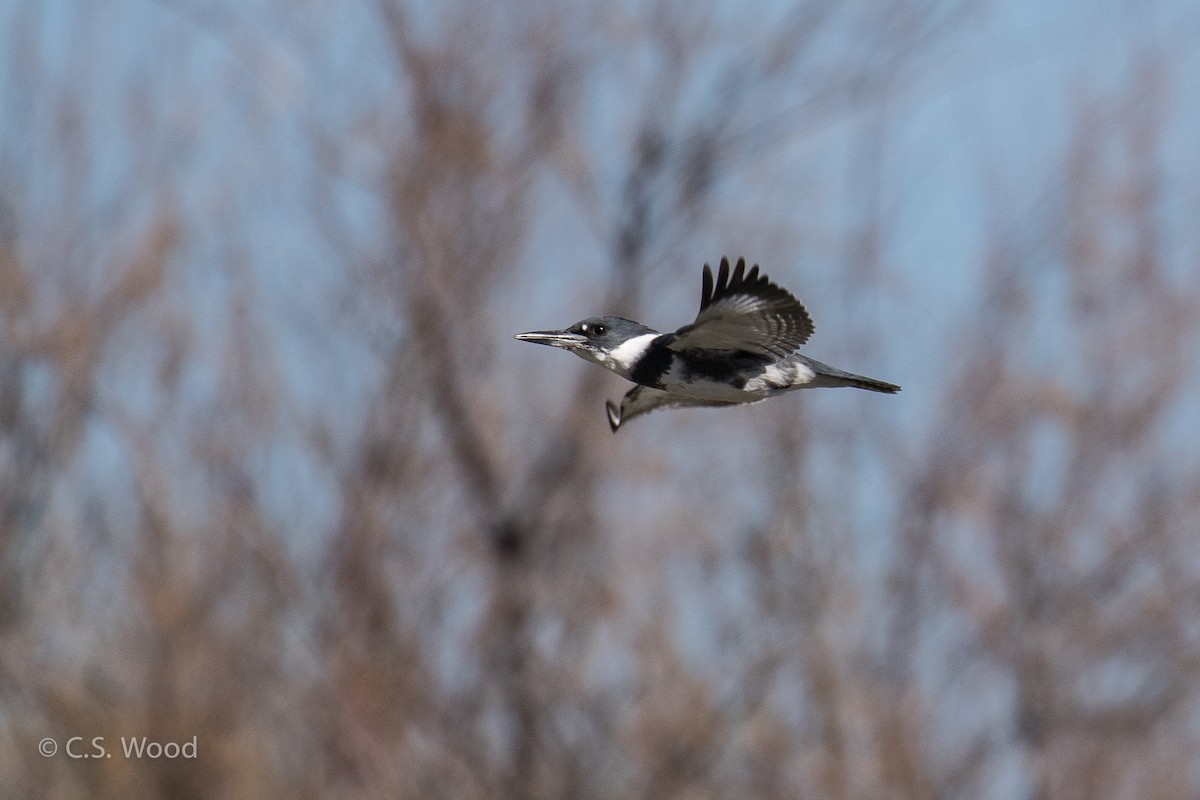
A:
(833, 377)
(870, 384)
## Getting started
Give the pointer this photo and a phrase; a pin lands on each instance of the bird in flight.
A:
(741, 348)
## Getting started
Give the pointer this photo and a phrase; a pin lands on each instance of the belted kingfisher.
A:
(740, 349)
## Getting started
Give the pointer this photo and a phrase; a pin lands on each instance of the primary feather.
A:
(745, 312)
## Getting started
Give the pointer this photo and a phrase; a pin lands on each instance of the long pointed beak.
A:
(563, 339)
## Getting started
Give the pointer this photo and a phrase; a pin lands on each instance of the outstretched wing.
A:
(745, 311)
(642, 400)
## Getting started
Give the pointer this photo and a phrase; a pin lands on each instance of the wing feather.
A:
(745, 311)
(643, 399)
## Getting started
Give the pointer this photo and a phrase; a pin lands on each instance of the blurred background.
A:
(275, 475)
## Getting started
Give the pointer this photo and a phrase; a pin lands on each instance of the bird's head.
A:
(612, 342)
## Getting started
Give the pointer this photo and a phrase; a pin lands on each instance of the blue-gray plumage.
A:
(740, 349)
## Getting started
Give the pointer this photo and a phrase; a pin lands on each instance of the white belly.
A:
(775, 379)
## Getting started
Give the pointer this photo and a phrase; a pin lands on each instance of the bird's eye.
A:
(598, 329)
